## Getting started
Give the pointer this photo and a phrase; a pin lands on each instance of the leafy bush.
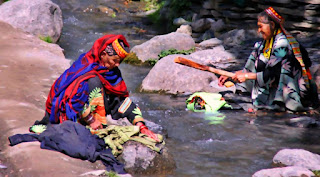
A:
(175, 51)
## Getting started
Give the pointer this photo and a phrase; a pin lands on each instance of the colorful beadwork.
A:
(118, 48)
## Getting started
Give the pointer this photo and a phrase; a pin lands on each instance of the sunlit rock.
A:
(42, 18)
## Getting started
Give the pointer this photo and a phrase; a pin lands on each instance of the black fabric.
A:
(74, 140)
(20, 138)
(112, 102)
(305, 56)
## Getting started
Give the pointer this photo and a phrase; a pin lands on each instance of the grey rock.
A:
(303, 122)
(210, 43)
(201, 25)
(186, 29)
(173, 78)
(217, 57)
(284, 172)
(152, 48)
(207, 35)
(209, 4)
(219, 25)
(38, 17)
(297, 157)
(233, 37)
(180, 21)
(140, 159)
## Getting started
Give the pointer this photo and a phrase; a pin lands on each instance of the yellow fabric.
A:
(115, 136)
(268, 45)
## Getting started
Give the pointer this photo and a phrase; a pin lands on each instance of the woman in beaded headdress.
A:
(93, 88)
(277, 71)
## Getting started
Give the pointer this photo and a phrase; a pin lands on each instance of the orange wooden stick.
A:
(196, 65)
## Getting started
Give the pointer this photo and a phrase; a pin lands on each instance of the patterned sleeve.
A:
(250, 64)
(126, 108)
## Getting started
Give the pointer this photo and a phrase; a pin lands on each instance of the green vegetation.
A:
(47, 39)
(111, 174)
(132, 59)
(153, 4)
(175, 51)
(113, 15)
(317, 173)
(152, 61)
(5, 0)
(173, 9)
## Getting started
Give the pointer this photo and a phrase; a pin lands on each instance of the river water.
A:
(240, 145)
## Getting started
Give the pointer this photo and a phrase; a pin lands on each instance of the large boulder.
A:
(41, 18)
(170, 77)
(217, 57)
(152, 48)
(139, 159)
(284, 172)
(297, 157)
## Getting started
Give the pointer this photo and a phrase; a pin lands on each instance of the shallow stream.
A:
(239, 145)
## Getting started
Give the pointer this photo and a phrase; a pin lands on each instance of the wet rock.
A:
(41, 18)
(140, 159)
(284, 172)
(297, 157)
(303, 122)
(169, 77)
(152, 48)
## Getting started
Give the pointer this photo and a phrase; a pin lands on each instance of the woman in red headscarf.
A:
(277, 72)
(93, 88)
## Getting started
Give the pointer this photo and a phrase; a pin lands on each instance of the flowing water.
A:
(239, 145)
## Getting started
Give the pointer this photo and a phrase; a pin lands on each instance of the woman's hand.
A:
(144, 129)
(96, 124)
(222, 80)
(240, 77)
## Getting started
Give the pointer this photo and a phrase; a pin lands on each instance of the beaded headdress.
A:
(119, 49)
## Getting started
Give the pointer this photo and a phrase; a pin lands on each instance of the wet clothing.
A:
(279, 83)
(84, 145)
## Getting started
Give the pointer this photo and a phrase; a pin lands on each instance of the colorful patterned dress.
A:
(279, 84)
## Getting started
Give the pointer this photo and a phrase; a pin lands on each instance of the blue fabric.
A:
(77, 70)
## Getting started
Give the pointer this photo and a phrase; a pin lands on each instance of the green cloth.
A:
(212, 102)
(115, 136)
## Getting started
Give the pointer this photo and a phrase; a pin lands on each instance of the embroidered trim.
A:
(125, 105)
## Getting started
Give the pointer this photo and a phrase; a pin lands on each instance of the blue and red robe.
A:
(69, 93)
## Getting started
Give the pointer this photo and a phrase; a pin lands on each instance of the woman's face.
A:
(265, 29)
(110, 61)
